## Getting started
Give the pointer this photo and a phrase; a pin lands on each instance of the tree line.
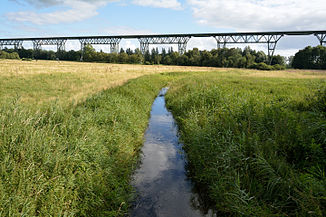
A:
(308, 58)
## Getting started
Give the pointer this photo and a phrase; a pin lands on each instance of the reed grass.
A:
(74, 160)
(70, 135)
(255, 144)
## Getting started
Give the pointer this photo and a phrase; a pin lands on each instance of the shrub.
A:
(5, 55)
(261, 66)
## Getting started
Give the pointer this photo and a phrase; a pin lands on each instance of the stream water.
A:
(161, 182)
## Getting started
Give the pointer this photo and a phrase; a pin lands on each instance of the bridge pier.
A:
(37, 45)
(60, 43)
(113, 42)
(221, 41)
(248, 38)
(18, 44)
(182, 44)
(144, 45)
(181, 41)
(321, 38)
(271, 43)
(114, 45)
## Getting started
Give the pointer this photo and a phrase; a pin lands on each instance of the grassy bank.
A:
(253, 138)
(255, 142)
(74, 160)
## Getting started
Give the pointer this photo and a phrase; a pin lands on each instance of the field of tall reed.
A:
(70, 135)
(255, 144)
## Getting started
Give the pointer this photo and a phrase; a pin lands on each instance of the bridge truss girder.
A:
(60, 43)
(18, 44)
(181, 41)
(321, 38)
(113, 42)
(269, 39)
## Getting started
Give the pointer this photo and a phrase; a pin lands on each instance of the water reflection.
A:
(161, 180)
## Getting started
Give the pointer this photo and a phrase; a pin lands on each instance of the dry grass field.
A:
(40, 82)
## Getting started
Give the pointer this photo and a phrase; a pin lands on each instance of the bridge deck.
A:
(290, 33)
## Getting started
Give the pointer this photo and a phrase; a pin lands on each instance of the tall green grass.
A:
(76, 160)
(255, 146)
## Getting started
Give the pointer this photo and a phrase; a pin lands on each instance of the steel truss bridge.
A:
(222, 39)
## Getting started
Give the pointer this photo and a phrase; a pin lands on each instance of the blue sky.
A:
(33, 18)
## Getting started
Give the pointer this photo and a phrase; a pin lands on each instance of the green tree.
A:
(278, 60)
(89, 53)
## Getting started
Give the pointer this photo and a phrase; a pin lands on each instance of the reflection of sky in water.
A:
(155, 161)
(161, 119)
(158, 148)
(161, 180)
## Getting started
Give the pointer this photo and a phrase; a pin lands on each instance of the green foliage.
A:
(255, 146)
(279, 60)
(74, 161)
(310, 58)
(261, 66)
(89, 53)
(264, 66)
(5, 55)
(233, 57)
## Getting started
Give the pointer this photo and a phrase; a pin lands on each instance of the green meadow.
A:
(71, 133)
(256, 146)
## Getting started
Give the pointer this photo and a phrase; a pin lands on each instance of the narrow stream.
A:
(161, 182)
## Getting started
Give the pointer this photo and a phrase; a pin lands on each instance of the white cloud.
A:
(78, 10)
(49, 3)
(171, 4)
(260, 15)
(75, 10)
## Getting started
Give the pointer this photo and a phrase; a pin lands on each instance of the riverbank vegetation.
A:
(70, 135)
(74, 160)
(255, 145)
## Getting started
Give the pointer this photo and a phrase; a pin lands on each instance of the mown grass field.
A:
(70, 135)
(255, 141)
